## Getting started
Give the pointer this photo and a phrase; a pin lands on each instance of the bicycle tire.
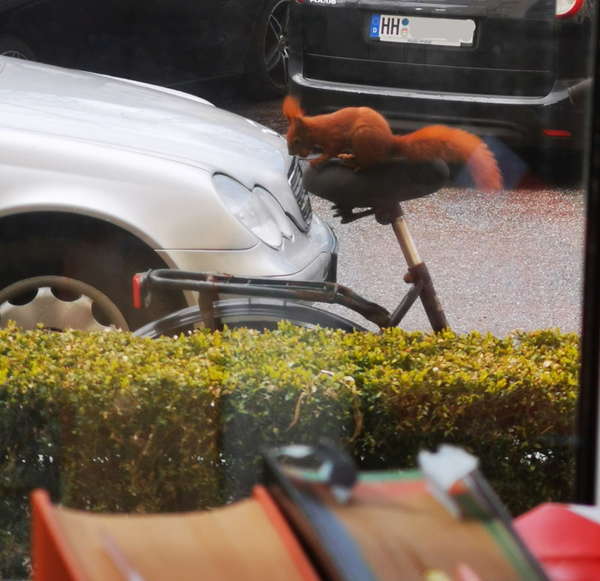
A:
(254, 314)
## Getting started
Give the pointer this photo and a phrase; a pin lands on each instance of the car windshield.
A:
(353, 227)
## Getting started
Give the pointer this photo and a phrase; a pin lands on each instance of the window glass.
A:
(429, 157)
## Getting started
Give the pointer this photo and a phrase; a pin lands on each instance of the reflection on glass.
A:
(254, 213)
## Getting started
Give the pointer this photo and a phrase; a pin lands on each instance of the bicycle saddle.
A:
(377, 188)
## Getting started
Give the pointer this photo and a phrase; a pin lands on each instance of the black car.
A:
(168, 42)
(512, 71)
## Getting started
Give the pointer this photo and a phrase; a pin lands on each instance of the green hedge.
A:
(107, 421)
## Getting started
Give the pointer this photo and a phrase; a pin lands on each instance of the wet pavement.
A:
(500, 262)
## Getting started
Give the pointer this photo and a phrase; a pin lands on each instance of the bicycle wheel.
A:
(253, 314)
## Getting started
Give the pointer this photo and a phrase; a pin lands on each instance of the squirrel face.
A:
(298, 139)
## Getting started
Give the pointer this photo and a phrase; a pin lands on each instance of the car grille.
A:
(300, 193)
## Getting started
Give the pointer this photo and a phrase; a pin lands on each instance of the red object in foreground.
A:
(51, 558)
(566, 543)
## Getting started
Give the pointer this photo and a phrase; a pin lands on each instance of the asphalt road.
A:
(500, 262)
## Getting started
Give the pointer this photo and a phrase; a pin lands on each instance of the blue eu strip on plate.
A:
(374, 29)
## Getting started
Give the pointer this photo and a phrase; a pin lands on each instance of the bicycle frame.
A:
(211, 285)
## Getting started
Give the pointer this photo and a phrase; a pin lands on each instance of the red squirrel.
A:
(363, 137)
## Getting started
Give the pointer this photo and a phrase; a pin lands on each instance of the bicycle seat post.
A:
(380, 189)
(417, 270)
(404, 237)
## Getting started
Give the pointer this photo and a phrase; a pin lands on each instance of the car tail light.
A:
(567, 8)
(557, 133)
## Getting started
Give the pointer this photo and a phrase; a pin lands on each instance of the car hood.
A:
(133, 116)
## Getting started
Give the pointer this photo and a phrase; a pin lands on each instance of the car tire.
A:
(563, 169)
(554, 168)
(65, 282)
(266, 70)
(16, 48)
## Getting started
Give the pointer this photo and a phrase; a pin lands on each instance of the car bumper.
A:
(314, 260)
(557, 119)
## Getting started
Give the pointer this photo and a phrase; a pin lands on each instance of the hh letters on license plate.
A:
(422, 30)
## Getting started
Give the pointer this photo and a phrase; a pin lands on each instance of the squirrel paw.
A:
(349, 160)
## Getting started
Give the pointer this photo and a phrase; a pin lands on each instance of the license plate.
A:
(422, 30)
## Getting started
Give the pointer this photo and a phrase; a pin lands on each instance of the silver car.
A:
(102, 177)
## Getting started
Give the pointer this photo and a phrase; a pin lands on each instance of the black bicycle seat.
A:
(376, 187)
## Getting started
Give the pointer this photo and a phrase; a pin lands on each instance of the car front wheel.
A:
(58, 303)
(62, 282)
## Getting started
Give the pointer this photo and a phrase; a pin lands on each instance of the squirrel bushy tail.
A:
(291, 108)
(453, 146)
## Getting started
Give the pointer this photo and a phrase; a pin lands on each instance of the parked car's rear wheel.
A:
(15, 47)
(65, 281)
(563, 169)
(267, 68)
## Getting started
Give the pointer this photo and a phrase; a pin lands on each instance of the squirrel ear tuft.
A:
(291, 108)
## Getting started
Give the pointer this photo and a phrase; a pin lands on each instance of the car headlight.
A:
(276, 210)
(257, 210)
